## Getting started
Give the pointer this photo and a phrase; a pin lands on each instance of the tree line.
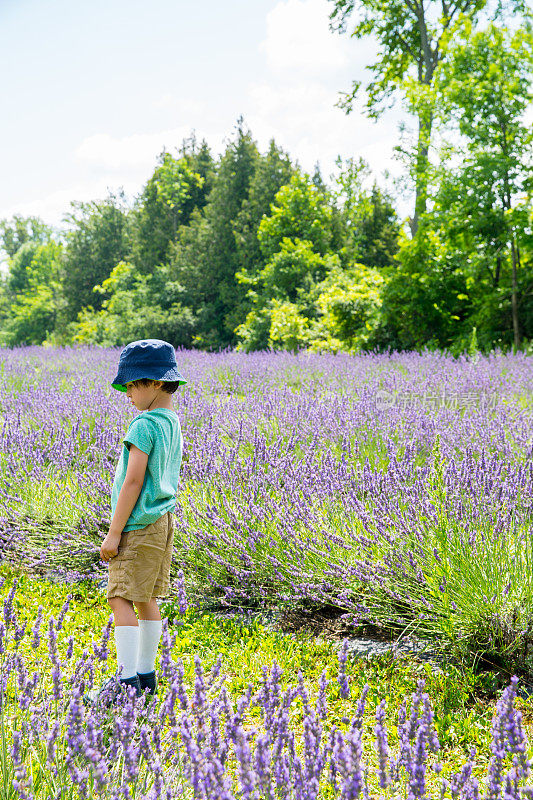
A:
(248, 250)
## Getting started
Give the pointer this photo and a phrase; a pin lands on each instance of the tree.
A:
(293, 271)
(21, 230)
(177, 187)
(205, 259)
(36, 307)
(349, 303)
(286, 286)
(19, 267)
(370, 225)
(273, 171)
(289, 328)
(95, 243)
(413, 39)
(132, 309)
(482, 203)
(377, 231)
(425, 301)
(299, 211)
(296, 242)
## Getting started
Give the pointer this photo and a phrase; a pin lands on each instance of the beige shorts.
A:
(141, 568)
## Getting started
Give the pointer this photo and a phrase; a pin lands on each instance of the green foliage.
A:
(284, 291)
(254, 332)
(95, 243)
(425, 301)
(19, 266)
(205, 258)
(370, 225)
(273, 171)
(376, 233)
(34, 293)
(131, 312)
(310, 301)
(177, 187)
(293, 270)
(482, 204)
(289, 329)
(21, 230)
(349, 302)
(299, 211)
(412, 41)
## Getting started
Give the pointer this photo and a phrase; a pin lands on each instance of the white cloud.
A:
(138, 150)
(298, 37)
(114, 162)
(53, 206)
(305, 66)
(136, 154)
(182, 105)
(308, 66)
(303, 118)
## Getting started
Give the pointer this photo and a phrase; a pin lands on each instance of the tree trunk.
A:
(426, 67)
(425, 122)
(514, 256)
(514, 296)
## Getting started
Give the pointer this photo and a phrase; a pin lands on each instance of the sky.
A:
(93, 92)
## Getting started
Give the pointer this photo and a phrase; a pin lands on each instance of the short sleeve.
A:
(140, 434)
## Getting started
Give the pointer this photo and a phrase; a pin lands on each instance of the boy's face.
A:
(142, 396)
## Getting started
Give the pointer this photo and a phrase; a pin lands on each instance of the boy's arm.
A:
(127, 497)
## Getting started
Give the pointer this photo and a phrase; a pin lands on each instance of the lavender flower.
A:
(182, 594)
(342, 678)
(382, 745)
(36, 629)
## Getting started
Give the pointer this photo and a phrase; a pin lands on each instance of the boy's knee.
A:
(118, 601)
(143, 603)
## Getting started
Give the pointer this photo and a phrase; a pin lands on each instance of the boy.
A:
(139, 544)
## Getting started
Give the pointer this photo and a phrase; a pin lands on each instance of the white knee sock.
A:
(127, 644)
(149, 636)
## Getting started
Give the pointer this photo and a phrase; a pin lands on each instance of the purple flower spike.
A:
(357, 721)
(247, 775)
(10, 616)
(21, 783)
(342, 677)
(102, 651)
(63, 612)
(321, 704)
(182, 594)
(36, 639)
(382, 745)
(52, 640)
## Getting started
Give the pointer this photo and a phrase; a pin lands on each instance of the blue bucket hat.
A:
(153, 359)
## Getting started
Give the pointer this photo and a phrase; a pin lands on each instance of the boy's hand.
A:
(109, 546)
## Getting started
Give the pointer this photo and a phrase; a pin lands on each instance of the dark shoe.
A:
(111, 691)
(147, 681)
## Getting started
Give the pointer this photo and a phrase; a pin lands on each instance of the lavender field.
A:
(395, 489)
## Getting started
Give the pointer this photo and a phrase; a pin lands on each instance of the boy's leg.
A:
(149, 610)
(126, 635)
(149, 635)
(123, 611)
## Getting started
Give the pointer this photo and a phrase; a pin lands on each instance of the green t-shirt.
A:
(157, 433)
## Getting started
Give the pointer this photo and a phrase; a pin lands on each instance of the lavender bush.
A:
(396, 488)
(195, 741)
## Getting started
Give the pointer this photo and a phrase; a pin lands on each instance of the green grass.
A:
(463, 700)
(58, 498)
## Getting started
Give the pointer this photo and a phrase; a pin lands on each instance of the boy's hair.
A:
(168, 386)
